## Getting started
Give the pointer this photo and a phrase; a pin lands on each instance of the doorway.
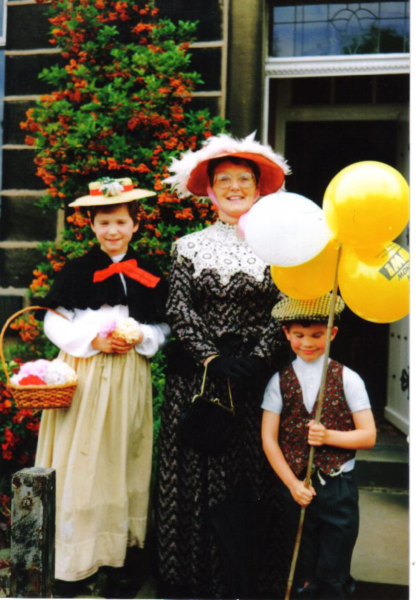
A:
(322, 125)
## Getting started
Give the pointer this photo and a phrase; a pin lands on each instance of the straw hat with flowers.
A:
(107, 191)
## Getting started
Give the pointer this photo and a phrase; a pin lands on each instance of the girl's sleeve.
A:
(186, 323)
(155, 337)
(74, 335)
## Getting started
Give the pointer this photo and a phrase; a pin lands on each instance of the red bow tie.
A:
(129, 268)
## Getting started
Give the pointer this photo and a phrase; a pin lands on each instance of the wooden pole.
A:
(32, 548)
(317, 420)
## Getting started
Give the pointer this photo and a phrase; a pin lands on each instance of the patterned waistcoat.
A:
(294, 417)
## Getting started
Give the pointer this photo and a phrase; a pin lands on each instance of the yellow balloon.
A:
(367, 204)
(374, 283)
(311, 279)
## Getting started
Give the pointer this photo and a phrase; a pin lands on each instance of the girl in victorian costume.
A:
(101, 446)
(213, 535)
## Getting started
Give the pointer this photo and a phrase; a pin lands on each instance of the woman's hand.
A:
(228, 367)
(317, 435)
(110, 345)
(301, 494)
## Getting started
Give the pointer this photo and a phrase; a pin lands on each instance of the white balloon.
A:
(286, 229)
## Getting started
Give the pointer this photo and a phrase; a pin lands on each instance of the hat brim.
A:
(272, 176)
(102, 200)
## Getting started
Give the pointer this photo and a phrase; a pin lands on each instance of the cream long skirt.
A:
(101, 449)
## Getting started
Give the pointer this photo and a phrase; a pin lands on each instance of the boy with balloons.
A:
(289, 429)
(350, 242)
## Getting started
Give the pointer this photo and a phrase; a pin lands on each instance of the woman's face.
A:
(235, 189)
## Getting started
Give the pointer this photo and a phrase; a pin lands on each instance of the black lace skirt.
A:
(219, 524)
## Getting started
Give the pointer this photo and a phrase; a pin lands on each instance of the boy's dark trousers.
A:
(330, 531)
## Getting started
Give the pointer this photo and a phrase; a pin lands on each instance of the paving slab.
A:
(381, 554)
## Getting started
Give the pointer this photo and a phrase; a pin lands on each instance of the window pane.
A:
(392, 10)
(393, 89)
(353, 90)
(284, 40)
(315, 41)
(283, 14)
(322, 28)
(363, 89)
(312, 91)
(391, 40)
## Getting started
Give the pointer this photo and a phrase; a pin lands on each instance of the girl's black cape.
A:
(74, 287)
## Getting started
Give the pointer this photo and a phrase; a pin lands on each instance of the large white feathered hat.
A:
(191, 170)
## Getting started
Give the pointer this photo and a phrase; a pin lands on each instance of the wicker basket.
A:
(37, 397)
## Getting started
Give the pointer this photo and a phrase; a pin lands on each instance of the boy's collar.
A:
(319, 362)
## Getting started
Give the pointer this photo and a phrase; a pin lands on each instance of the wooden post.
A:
(32, 548)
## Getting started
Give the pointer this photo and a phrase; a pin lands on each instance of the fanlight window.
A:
(328, 29)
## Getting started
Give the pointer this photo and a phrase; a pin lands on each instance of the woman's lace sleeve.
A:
(187, 325)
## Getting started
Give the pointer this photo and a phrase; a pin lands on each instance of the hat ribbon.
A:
(99, 192)
(129, 268)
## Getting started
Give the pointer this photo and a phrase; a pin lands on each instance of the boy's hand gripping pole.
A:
(317, 420)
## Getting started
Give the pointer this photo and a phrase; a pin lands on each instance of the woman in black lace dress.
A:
(218, 518)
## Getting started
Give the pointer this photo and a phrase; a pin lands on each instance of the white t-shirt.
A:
(309, 376)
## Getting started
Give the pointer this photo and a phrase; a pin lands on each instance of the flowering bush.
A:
(118, 108)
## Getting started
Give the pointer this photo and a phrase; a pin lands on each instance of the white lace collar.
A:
(220, 248)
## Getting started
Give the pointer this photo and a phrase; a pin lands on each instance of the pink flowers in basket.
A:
(125, 329)
(44, 372)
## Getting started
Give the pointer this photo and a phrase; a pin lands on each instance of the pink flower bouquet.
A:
(44, 372)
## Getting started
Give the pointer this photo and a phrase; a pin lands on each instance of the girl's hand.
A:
(121, 346)
(301, 494)
(317, 433)
(103, 344)
(111, 345)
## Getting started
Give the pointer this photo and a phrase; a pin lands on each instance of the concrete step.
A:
(385, 466)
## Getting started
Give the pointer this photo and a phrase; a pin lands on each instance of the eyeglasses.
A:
(223, 180)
